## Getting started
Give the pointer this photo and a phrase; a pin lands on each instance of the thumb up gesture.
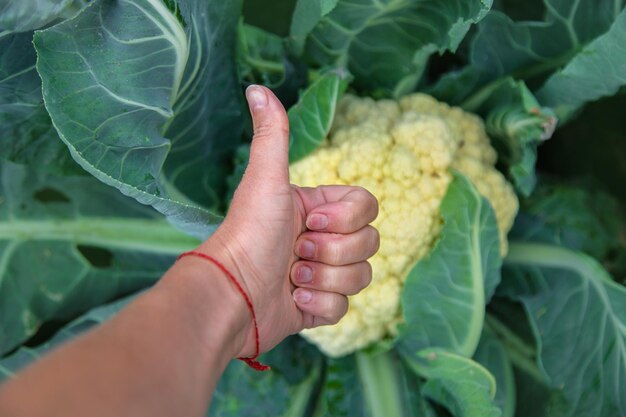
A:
(298, 252)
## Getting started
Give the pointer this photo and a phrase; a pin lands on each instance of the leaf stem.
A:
(148, 235)
(301, 396)
(509, 337)
(265, 65)
(380, 383)
(519, 352)
(526, 364)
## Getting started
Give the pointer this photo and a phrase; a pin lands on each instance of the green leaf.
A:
(528, 49)
(578, 315)
(454, 283)
(579, 217)
(241, 392)
(294, 358)
(514, 120)
(270, 15)
(371, 385)
(342, 394)
(26, 355)
(461, 385)
(517, 124)
(536, 399)
(311, 118)
(491, 354)
(27, 132)
(265, 59)
(385, 44)
(147, 103)
(591, 146)
(306, 16)
(68, 244)
(598, 70)
(533, 50)
(26, 15)
(262, 56)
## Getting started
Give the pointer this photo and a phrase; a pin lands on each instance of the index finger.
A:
(339, 208)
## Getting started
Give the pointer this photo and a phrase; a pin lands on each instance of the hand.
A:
(297, 251)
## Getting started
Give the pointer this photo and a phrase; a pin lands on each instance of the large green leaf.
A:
(459, 384)
(26, 355)
(578, 315)
(491, 354)
(598, 70)
(454, 283)
(148, 103)
(527, 49)
(68, 244)
(311, 118)
(385, 44)
(25, 15)
(27, 132)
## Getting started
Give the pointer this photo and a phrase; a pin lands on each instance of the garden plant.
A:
(489, 130)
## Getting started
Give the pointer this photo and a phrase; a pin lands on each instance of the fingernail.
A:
(305, 274)
(302, 296)
(317, 221)
(306, 249)
(256, 97)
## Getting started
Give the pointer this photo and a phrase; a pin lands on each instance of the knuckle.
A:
(371, 203)
(351, 217)
(331, 277)
(363, 277)
(266, 130)
(334, 251)
(263, 130)
(367, 195)
(361, 190)
(340, 308)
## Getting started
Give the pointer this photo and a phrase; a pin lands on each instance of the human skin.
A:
(164, 353)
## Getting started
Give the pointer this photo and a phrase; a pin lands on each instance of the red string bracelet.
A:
(251, 362)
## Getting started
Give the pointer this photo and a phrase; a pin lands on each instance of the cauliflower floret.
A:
(403, 153)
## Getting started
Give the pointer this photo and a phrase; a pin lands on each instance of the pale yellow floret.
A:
(403, 152)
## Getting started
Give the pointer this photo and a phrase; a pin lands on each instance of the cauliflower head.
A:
(403, 153)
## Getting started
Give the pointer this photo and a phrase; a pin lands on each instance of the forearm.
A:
(161, 356)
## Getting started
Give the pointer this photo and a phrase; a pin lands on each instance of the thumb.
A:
(269, 152)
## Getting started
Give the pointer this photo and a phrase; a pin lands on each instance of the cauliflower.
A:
(403, 152)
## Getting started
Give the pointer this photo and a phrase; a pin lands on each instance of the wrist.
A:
(209, 304)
